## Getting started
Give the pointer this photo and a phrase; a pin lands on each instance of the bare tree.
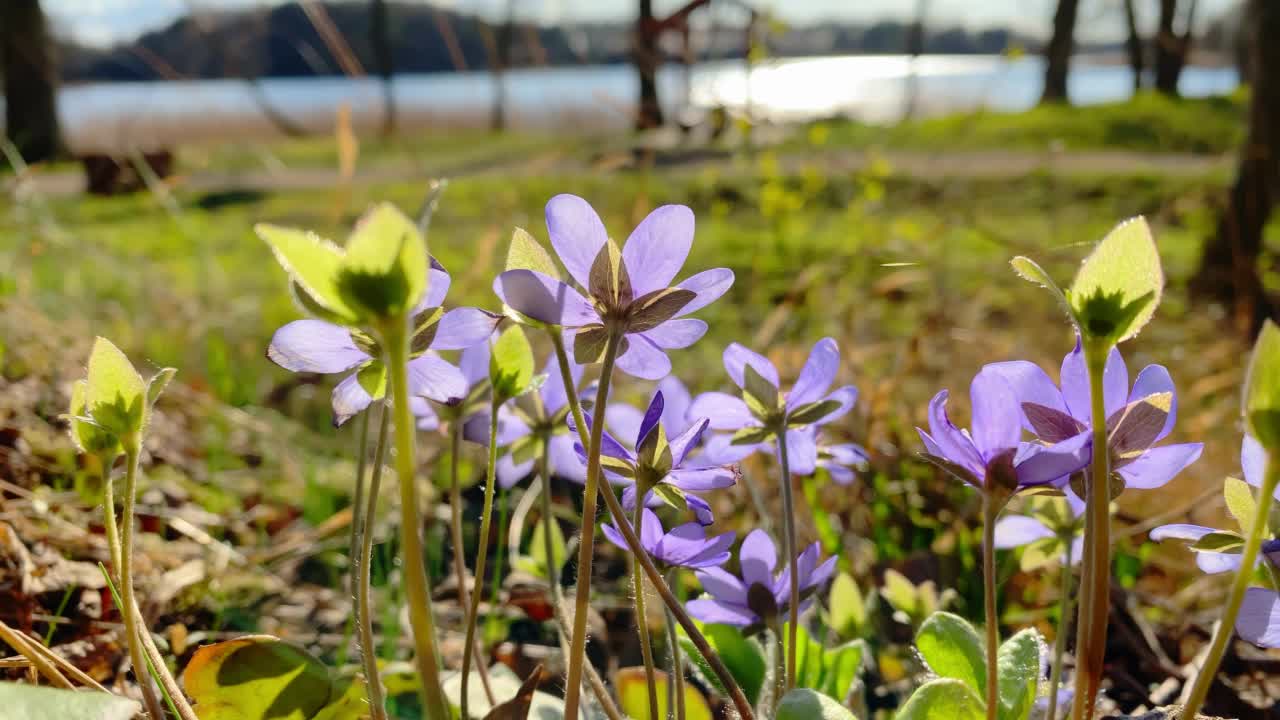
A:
(30, 80)
(1058, 52)
(383, 61)
(647, 58)
(1133, 45)
(1229, 265)
(1172, 47)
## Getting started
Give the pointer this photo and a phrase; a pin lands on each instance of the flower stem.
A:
(1060, 642)
(364, 606)
(1095, 601)
(779, 664)
(642, 620)
(677, 661)
(548, 520)
(417, 587)
(989, 513)
(618, 515)
(482, 552)
(495, 583)
(357, 505)
(1244, 576)
(789, 551)
(132, 452)
(586, 543)
(455, 529)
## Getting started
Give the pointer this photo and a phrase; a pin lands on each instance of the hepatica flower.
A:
(686, 545)
(838, 459)
(758, 598)
(319, 346)
(629, 291)
(764, 412)
(526, 421)
(1137, 417)
(625, 420)
(1048, 525)
(1219, 551)
(991, 455)
(660, 467)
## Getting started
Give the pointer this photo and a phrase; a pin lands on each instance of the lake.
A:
(116, 116)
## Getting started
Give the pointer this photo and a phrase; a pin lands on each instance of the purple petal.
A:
(720, 450)
(802, 451)
(314, 346)
(757, 558)
(723, 586)
(951, 444)
(426, 415)
(816, 376)
(1038, 464)
(707, 286)
(1216, 562)
(845, 397)
(840, 474)
(544, 298)
(650, 420)
(737, 357)
(564, 461)
(554, 396)
(1259, 619)
(1253, 459)
(431, 377)
(1075, 384)
(677, 334)
(718, 613)
(509, 473)
(725, 411)
(612, 535)
(623, 420)
(1180, 531)
(702, 479)
(675, 415)
(1153, 380)
(687, 545)
(658, 248)
(643, 359)
(847, 454)
(1115, 382)
(1018, 530)
(1157, 466)
(474, 363)
(438, 282)
(996, 424)
(576, 233)
(1031, 384)
(349, 398)
(686, 441)
(700, 508)
(650, 529)
(464, 327)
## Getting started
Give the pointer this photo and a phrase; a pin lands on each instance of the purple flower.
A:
(1049, 518)
(634, 296)
(758, 597)
(763, 412)
(317, 346)
(625, 420)
(662, 466)
(686, 545)
(840, 459)
(1137, 418)
(992, 455)
(524, 422)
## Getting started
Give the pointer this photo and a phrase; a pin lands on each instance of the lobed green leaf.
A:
(951, 648)
(806, 704)
(943, 699)
(1019, 674)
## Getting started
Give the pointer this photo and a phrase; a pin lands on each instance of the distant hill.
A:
(281, 41)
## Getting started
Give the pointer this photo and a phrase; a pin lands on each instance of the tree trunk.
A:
(502, 60)
(1172, 48)
(383, 61)
(1229, 265)
(30, 80)
(1058, 53)
(1133, 45)
(646, 58)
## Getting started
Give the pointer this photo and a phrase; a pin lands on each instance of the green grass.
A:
(1150, 122)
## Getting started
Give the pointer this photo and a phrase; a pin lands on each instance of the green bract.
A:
(511, 365)
(114, 403)
(1118, 287)
(1262, 389)
(806, 704)
(380, 275)
(89, 437)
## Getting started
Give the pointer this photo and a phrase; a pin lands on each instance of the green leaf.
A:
(116, 393)
(511, 365)
(1262, 389)
(384, 272)
(88, 436)
(1029, 270)
(806, 704)
(848, 606)
(1041, 553)
(373, 379)
(943, 699)
(1019, 663)
(21, 700)
(633, 696)
(813, 412)
(351, 703)
(809, 659)
(157, 384)
(313, 263)
(538, 547)
(900, 592)
(952, 649)
(744, 658)
(1240, 502)
(841, 667)
(257, 677)
(526, 253)
(1220, 542)
(1118, 287)
(760, 394)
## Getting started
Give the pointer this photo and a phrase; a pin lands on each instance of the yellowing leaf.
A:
(258, 677)
(633, 696)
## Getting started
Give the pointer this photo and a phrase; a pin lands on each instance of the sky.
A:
(103, 22)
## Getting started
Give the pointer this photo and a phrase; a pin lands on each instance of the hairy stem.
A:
(482, 552)
(548, 543)
(1095, 602)
(642, 621)
(586, 542)
(618, 515)
(417, 586)
(132, 625)
(455, 530)
(364, 605)
(1060, 642)
(677, 661)
(779, 667)
(989, 512)
(357, 504)
(1244, 576)
(789, 551)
